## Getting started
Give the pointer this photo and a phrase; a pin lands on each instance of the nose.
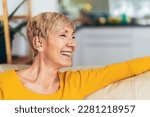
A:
(71, 43)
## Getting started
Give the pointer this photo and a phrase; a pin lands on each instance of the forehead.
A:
(67, 29)
(64, 30)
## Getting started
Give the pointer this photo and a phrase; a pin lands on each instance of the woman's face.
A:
(59, 47)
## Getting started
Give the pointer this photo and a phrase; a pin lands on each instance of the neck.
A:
(40, 73)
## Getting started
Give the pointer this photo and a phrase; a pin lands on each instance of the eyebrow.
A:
(66, 31)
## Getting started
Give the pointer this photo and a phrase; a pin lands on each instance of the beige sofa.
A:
(134, 88)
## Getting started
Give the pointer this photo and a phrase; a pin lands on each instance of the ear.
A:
(38, 44)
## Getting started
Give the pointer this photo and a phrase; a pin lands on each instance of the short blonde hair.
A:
(42, 24)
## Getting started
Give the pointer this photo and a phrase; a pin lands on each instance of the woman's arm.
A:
(91, 80)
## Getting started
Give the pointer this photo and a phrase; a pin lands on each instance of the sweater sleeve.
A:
(88, 81)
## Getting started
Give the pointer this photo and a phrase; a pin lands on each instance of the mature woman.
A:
(51, 36)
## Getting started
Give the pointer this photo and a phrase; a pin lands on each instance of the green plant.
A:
(12, 30)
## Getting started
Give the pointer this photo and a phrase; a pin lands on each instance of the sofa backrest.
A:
(134, 88)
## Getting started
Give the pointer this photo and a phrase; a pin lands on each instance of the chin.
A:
(67, 64)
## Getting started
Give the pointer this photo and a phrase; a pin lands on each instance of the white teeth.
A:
(66, 53)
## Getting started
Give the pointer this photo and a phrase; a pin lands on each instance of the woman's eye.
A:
(73, 37)
(63, 35)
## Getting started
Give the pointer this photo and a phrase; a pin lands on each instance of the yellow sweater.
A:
(74, 84)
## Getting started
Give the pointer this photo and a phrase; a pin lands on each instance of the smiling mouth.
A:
(66, 53)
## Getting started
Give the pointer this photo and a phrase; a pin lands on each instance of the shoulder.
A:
(7, 76)
(6, 73)
(75, 74)
(8, 80)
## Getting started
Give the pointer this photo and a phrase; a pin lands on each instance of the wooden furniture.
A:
(4, 18)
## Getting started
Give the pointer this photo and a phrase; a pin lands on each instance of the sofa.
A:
(134, 88)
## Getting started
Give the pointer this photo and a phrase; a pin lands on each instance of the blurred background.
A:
(108, 31)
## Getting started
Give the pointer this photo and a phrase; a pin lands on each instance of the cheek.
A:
(61, 44)
(54, 51)
(56, 46)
